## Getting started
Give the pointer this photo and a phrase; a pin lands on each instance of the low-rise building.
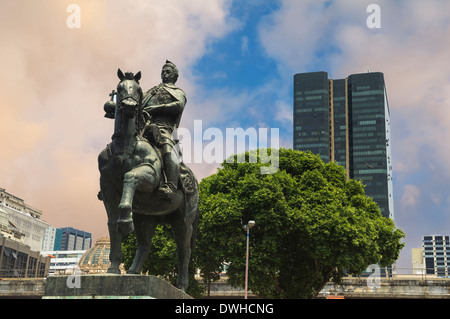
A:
(63, 261)
(20, 261)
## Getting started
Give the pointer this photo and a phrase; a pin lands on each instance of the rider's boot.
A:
(172, 171)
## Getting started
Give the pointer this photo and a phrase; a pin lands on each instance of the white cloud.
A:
(411, 48)
(283, 112)
(436, 198)
(411, 196)
(244, 45)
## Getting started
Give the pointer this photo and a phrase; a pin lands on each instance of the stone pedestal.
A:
(109, 286)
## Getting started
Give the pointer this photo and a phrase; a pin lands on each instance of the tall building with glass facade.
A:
(74, 239)
(347, 121)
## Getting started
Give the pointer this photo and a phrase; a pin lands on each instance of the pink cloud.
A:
(55, 81)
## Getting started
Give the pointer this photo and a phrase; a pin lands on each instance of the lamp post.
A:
(247, 227)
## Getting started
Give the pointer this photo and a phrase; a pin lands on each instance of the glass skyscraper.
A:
(347, 121)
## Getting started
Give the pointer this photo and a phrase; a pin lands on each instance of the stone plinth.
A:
(109, 286)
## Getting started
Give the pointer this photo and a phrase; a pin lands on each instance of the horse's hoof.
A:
(182, 286)
(113, 270)
(125, 227)
(131, 271)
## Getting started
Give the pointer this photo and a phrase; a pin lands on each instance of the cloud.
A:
(244, 45)
(436, 198)
(411, 48)
(411, 51)
(411, 196)
(55, 80)
(284, 111)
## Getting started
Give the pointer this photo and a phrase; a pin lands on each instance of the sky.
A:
(236, 60)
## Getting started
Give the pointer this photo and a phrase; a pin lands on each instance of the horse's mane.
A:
(129, 76)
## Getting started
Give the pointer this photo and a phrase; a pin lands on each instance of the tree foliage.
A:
(311, 225)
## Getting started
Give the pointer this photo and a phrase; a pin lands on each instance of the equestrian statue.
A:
(143, 180)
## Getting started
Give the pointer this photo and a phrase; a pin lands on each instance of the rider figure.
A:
(165, 104)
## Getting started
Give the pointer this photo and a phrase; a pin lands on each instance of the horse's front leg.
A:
(111, 199)
(140, 178)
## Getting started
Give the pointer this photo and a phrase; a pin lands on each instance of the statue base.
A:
(110, 286)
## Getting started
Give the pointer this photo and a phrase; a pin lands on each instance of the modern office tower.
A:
(74, 239)
(436, 254)
(347, 121)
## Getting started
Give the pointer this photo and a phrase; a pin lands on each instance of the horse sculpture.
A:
(130, 175)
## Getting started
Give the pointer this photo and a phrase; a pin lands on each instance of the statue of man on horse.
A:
(143, 182)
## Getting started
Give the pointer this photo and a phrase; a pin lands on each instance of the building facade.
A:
(418, 266)
(436, 255)
(24, 219)
(63, 261)
(94, 260)
(347, 121)
(20, 261)
(74, 239)
(52, 239)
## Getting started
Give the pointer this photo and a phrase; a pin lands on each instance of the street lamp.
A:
(247, 227)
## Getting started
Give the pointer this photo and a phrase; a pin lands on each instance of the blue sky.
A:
(237, 60)
(421, 191)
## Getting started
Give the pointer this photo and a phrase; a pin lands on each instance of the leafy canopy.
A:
(311, 225)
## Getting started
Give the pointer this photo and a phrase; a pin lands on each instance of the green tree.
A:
(311, 225)
(219, 215)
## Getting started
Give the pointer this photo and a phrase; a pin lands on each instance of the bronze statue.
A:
(132, 177)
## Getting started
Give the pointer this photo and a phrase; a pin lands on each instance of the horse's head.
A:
(129, 92)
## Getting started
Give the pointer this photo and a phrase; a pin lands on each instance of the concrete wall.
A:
(351, 288)
(110, 286)
(437, 288)
(22, 288)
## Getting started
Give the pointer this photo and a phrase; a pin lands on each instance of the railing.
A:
(417, 273)
(394, 274)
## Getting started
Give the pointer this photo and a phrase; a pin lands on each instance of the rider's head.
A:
(169, 73)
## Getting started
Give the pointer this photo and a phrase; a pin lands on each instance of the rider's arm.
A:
(170, 108)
